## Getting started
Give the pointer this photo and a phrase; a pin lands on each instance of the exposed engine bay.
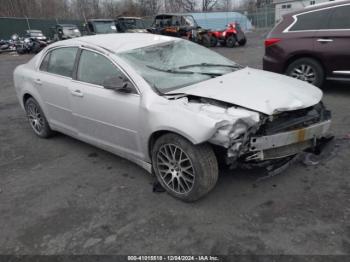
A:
(252, 138)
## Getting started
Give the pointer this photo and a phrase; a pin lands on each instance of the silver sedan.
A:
(175, 108)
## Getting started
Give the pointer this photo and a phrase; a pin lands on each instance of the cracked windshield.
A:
(175, 64)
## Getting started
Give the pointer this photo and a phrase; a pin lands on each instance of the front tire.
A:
(308, 70)
(37, 119)
(231, 41)
(186, 171)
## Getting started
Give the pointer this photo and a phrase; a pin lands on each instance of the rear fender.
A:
(33, 93)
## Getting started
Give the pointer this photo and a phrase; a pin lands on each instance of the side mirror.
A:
(118, 84)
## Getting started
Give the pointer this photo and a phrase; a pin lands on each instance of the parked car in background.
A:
(35, 34)
(100, 26)
(173, 107)
(30, 44)
(7, 45)
(65, 31)
(184, 26)
(233, 35)
(26, 45)
(312, 45)
(130, 25)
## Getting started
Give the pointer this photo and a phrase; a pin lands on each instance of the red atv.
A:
(231, 36)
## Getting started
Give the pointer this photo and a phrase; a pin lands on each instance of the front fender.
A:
(176, 116)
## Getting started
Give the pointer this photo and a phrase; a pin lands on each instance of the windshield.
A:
(132, 24)
(189, 20)
(164, 21)
(178, 63)
(71, 31)
(103, 27)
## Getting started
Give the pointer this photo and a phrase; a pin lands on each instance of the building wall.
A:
(284, 8)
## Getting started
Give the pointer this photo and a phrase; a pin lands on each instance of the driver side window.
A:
(96, 69)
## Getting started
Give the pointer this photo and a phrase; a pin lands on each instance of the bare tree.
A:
(85, 9)
(249, 6)
(150, 7)
(208, 5)
(180, 5)
(227, 5)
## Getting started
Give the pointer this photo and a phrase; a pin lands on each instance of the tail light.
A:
(271, 41)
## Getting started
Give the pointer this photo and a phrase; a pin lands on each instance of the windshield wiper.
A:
(210, 65)
(172, 71)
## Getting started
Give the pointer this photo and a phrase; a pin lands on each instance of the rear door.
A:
(55, 76)
(300, 36)
(333, 44)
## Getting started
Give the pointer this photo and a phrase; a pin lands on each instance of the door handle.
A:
(38, 81)
(77, 92)
(324, 40)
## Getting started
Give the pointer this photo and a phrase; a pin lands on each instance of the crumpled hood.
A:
(257, 90)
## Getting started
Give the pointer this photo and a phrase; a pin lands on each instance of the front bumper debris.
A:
(271, 168)
(287, 143)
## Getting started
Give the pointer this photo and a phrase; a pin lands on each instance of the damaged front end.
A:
(258, 140)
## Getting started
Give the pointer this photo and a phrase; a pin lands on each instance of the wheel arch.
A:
(157, 134)
(25, 97)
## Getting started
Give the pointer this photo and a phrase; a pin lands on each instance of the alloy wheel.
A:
(36, 119)
(305, 73)
(175, 168)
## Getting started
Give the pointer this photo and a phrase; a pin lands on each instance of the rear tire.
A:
(37, 119)
(206, 41)
(186, 171)
(20, 50)
(308, 70)
(242, 42)
(231, 41)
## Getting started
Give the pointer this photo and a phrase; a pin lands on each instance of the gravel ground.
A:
(62, 196)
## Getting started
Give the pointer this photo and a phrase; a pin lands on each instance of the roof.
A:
(33, 31)
(173, 14)
(331, 3)
(309, 6)
(129, 17)
(285, 1)
(319, 6)
(118, 42)
(66, 25)
(100, 20)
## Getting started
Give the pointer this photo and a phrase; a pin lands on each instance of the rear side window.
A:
(96, 69)
(312, 21)
(45, 62)
(61, 61)
(340, 18)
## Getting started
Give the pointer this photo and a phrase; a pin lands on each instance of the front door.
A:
(104, 117)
